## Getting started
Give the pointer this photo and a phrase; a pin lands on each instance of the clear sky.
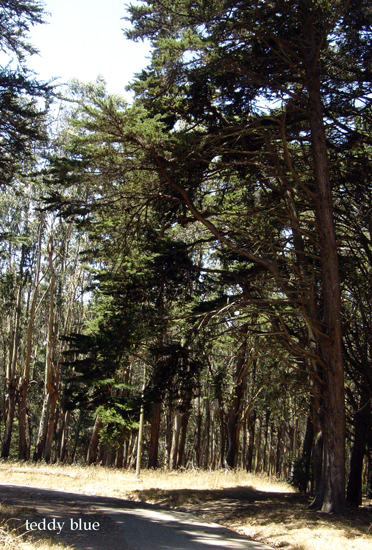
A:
(83, 39)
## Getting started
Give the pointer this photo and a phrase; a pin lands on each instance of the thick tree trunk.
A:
(330, 339)
(154, 437)
(233, 424)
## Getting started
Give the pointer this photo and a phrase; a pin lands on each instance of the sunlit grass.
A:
(113, 482)
(265, 509)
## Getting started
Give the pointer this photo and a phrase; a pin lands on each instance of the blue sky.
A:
(83, 39)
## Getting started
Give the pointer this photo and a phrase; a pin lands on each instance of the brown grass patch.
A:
(13, 535)
(264, 509)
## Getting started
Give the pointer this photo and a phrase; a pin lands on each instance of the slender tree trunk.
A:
(64, 436)
(258, 447)
(168, 436)
(119, 461)
(251, 424)
(24, 439)
(50, 382)
(43, 428)
(51, 424)
(175, 439)
(94, 441)
(207, 429)
(181, 450)
(354, 486)
(11, 370)
(198, 441)
(10, 412)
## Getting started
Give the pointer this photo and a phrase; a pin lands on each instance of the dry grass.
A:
(264, 509)
(12, 531)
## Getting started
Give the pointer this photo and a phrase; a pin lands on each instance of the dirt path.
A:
(102, 523)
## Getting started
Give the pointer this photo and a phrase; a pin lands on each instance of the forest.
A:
(189, 275)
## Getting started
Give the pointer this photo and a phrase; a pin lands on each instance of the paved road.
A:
(101, 523)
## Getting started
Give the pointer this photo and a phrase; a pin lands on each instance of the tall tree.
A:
(270, 89)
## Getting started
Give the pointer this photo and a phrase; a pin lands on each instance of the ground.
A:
(265, 510)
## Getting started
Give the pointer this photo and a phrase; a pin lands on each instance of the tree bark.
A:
(94, 441)
(251, 424)
(175, 439)
(181, 450)
(64, 436)
(11, 370)
(354, 486)
(234, 415)
(154, 436)
(330, 338)
(24, 438)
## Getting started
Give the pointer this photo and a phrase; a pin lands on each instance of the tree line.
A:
(202, 255)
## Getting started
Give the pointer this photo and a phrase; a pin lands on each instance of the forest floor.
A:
(266, 510)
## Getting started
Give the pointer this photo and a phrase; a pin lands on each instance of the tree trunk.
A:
(181, 450)
(175, 439)
(50, 385)
(207, 429)
(94, 441)
(24, 432)
(64, 437)
(154, 437)
(10, 412)
(24, 439)
(330, 338)
(43, 428)
(168, 436)
(11, 370)
(354, 486)
(51, 424)
(251, 423)
(233, 424)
